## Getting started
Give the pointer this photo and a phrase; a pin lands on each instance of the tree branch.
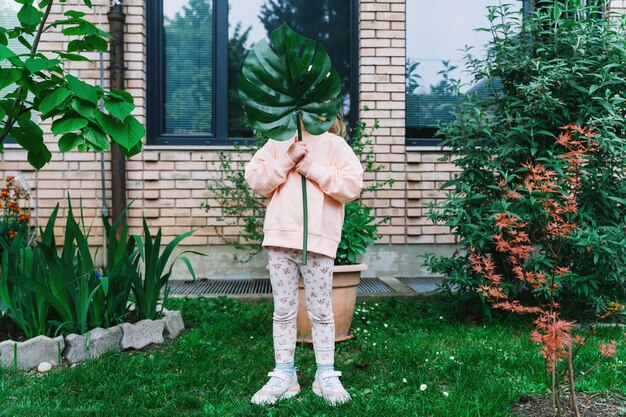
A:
(33, 50)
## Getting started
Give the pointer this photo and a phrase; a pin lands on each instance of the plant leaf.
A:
(295, 77)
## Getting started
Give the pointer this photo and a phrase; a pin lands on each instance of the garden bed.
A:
(590, 405)
(43, 352)
(399, 346)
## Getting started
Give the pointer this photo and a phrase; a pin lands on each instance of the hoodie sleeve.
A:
(343, 180)
(266, 171)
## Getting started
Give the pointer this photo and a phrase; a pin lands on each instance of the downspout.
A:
(117, 18)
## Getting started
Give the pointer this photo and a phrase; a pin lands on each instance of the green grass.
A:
(216, 366)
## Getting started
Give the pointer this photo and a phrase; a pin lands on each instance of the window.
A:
(436, 34)
(196, 49)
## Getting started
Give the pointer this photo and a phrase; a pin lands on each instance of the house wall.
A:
(169, 183)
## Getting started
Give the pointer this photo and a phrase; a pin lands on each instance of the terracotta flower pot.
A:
(346, 279)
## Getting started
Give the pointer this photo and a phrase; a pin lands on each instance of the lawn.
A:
(216, 366)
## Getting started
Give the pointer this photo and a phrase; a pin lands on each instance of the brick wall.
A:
(169, 184)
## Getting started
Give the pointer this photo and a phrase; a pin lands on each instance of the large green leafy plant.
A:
(559, 66)
(286, 85)
(40, 88)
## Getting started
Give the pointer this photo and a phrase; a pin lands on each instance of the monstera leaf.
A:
(292, 79)
(289, 82)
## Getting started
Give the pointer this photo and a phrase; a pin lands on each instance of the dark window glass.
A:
(436, 34)
(196, 49)
(188, 67)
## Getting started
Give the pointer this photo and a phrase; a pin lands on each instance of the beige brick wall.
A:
(169, 184)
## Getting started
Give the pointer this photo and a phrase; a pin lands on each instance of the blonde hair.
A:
(338, 127)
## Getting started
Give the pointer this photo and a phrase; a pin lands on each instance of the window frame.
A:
(155, 78)
(434, 142)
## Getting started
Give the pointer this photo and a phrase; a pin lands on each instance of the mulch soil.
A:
(589, 405)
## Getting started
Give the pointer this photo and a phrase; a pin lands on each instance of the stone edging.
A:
(43, 352)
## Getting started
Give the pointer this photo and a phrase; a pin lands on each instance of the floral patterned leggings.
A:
(285, 268)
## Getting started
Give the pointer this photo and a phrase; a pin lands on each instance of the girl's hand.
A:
(296, 151)
(304, 165)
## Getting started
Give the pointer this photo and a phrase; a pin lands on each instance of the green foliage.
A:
(358, 232)
(72, 282)
(20, 264)
(116, 278)
(42, 89)
(289, 80)
(150, 275)
(44, 290)
(241, 207)
(556, 67)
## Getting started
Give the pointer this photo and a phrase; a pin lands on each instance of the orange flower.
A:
(10, 178)
(608, 350)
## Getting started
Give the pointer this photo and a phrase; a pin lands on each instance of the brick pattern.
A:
(170, 184)
(382, 86)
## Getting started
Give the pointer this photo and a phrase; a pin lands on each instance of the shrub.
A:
(558, 66)
(51, 288)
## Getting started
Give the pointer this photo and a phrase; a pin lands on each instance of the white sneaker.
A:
(281, 385)
(328, 386)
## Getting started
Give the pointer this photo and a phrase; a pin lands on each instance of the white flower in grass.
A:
(423, 387)
(364, 330)
(445, 393)
(440, 317)
(386, 325)
(404, 380)
(374, 344)
(451, 358)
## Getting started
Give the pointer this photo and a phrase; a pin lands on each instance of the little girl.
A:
(334, 176)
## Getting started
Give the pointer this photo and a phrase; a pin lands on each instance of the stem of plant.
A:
(305, 216)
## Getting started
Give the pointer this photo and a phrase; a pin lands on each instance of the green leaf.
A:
(38, 64)
(8, 77)
(119, 108)
(28, 15)
(5, 52)
(127, 134)
(74, 14)
(96, 138)
(68, 142)
(83, 90)
(617, 199)
(122, 95)
(39, 158)
(54, 99)
(292, 78)
(73, 57)
(68, 124)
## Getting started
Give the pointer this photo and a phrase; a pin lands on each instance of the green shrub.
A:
(150, 274)
(28, 309)
(556, 67)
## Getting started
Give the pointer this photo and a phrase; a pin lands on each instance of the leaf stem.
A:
(305, 219)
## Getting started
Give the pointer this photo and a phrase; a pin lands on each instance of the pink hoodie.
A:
(335, 178)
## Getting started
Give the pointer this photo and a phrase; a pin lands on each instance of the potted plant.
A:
(358, 233)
